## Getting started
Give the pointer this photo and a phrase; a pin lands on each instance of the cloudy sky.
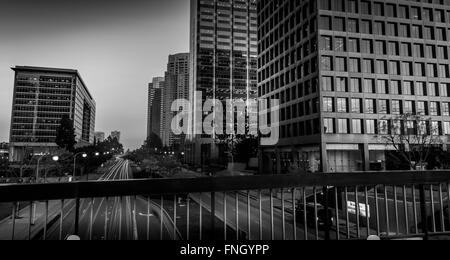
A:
(117, 45)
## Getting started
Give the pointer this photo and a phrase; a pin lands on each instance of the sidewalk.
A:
(22, 223)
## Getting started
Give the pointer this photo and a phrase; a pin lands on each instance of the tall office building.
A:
(42, 96)
(176, 86)
(223, 62)
(155, 99)
(342, 68)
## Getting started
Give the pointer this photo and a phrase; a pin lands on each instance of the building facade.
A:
(176, 86)
(223, 59)
(42, 96)
(343, 68)
(155, 103)
(4, 151)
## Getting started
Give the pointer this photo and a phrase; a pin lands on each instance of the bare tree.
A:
(413, 138)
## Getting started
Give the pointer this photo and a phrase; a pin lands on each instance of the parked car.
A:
(312, 218)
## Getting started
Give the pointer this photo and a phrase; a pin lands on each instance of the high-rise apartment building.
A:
(223, 61)
(42, 96)
(154, 111)
(342, 68)
(176, 86)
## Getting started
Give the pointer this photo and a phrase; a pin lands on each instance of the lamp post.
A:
(55, 159)
(84, 155)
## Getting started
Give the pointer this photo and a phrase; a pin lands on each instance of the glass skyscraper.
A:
(223, 60)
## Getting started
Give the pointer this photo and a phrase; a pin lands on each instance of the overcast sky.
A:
(118, 46)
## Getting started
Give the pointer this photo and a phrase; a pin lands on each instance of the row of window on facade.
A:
(385, 106)
(383, 28)
(373, 66)
(391, 9)
(383, 47)
(384, 86)
(385, 127)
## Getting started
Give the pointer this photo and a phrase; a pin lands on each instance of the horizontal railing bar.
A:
(58, 191)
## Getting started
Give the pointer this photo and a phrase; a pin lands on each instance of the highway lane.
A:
(119, 218)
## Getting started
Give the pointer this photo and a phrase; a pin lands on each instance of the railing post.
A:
(213, 214)
(327, 215)
(424, 213)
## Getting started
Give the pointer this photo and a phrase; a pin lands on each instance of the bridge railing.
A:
(341, 206)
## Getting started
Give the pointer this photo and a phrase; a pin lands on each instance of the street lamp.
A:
(55, 159)
(84, 155)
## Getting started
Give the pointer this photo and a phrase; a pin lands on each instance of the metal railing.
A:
(344, 206)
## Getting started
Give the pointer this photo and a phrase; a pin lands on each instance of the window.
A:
(393, 49)
(380, 47)
(383, 107)
(342, 105)
(382, 86)
(395, 87)
(419, 69)
(408, 88)
(366, 46)
(339, 24)
(392, 29)
(421, 108)
(444, 89)
(446, 127)
(366, 7)
(407, 68)
(418, 51)
(355, 65)
(403, 12)
(434, 109)
(381, 66)
(342, 126)
(379, 28)
(328, 105)
(396, 107)
(394, 67)
(325, 43)
(369, 86)
(356, 106)
(432, 89)
(341, 84)
(367, 66)
(339, 44)
(355, 84)
(446, 109)
(383, 127)
(356, 126)
(408, 107)
(327, 84)
(420, 89)
(353, 45)
(326, 62)
(391, 10)
(341, 64)
(328, 124)
(370, 106)
(405, 49)
(353, 26)
(371, 127)
(366, 26)
(325, 23)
